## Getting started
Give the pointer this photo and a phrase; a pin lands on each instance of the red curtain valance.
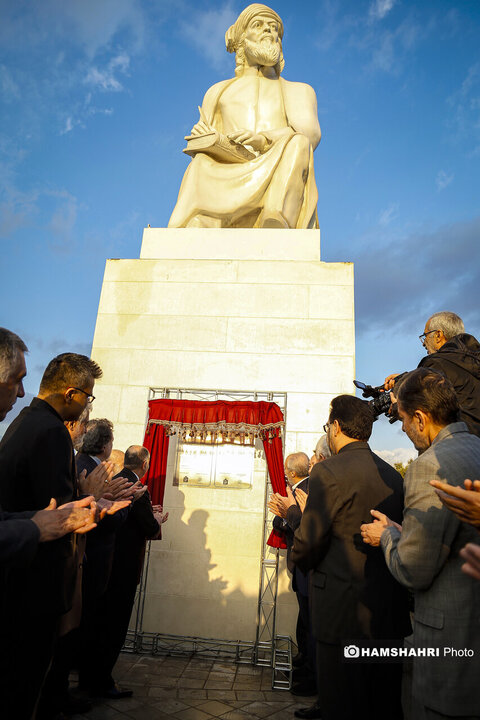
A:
(224, 420)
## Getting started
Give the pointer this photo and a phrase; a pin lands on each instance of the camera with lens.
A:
(381, 403)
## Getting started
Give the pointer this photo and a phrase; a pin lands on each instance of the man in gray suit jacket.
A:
(423, 553)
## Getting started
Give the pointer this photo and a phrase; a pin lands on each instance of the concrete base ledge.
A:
(230, 244)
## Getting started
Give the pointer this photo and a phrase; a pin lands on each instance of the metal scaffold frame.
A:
(268, 649)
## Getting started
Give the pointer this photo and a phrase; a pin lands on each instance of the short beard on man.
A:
(264, 53)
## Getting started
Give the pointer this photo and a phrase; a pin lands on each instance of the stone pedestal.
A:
(224, 310)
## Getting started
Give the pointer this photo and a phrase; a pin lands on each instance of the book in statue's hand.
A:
(218, 146)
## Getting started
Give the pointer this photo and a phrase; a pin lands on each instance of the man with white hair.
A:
(275, 119)
(321, 452)
(456, 354)
(297, 477)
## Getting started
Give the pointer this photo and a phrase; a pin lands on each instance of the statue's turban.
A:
(234, 33)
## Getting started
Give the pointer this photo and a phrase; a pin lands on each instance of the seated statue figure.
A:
(275, 121)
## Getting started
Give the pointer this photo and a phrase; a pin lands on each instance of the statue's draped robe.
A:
(232, 193)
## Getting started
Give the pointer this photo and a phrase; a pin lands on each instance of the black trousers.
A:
(302, 630)
(117, 604)
(352, 690)
(26, 652)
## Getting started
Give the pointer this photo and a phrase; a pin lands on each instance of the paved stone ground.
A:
(194, 689)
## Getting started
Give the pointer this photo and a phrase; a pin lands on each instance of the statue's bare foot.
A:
(272, 219)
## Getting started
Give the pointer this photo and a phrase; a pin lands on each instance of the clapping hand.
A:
(464, 502)
(301, 498)
(110, 507)
(53, 522)
(94, 483)
(118, 489)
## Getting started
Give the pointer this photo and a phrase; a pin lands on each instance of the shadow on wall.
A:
(204, 575)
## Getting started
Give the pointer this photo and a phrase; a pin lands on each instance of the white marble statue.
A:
(253, 146)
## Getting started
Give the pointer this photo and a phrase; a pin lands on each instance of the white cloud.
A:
(334, 23)
(389, 214)
(465, 106)
(106, 79)
(380, 9)
(206, 31)
(8, 87)
(62, 222)
(402, 455)
(17, 208)
(383, 56)
(386, 49)
(89, 24)
(69, 124)
(427, 270)
(390, 47)
(443, 180)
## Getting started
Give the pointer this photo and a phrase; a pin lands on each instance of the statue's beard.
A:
(264, 53)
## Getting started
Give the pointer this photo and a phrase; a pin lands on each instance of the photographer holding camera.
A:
(456, 354)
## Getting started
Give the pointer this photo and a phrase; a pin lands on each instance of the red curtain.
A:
(156, 441)
(223, 419)
(274, 456)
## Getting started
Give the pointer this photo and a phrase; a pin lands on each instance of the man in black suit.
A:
(354, 597)
(96, 447)
(21, 532)
(36, 464)
(143, 522)
(296, 473)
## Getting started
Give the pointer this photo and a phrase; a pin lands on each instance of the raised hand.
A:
(464, 502)
(118, 489)
(53, 522)
(95, 483)
(471, 554)
(301, 498)
(110, 507)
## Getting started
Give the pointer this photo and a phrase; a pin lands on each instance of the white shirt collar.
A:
(294, 487)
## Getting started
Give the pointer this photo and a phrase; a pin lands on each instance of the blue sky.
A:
(96, 96)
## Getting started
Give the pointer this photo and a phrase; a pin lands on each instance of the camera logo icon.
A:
(351, 651)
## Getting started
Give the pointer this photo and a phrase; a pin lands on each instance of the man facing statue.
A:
(262, 129)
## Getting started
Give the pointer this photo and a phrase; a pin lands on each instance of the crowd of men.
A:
(69, 571)
(374, 555)
(371, 554)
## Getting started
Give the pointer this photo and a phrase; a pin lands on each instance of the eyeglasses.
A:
(325, 427)
(423, 336)
(90, 398)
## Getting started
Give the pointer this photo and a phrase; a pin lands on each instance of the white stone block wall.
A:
(247, 310)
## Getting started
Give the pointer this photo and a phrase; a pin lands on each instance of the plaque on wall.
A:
(234, 466)
(194, 465)
(225, 466)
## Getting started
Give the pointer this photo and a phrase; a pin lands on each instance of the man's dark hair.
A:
(69, 370)
(430, 391)
(99, 433)
(10, 347)
(135, 456)
(353, 415)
